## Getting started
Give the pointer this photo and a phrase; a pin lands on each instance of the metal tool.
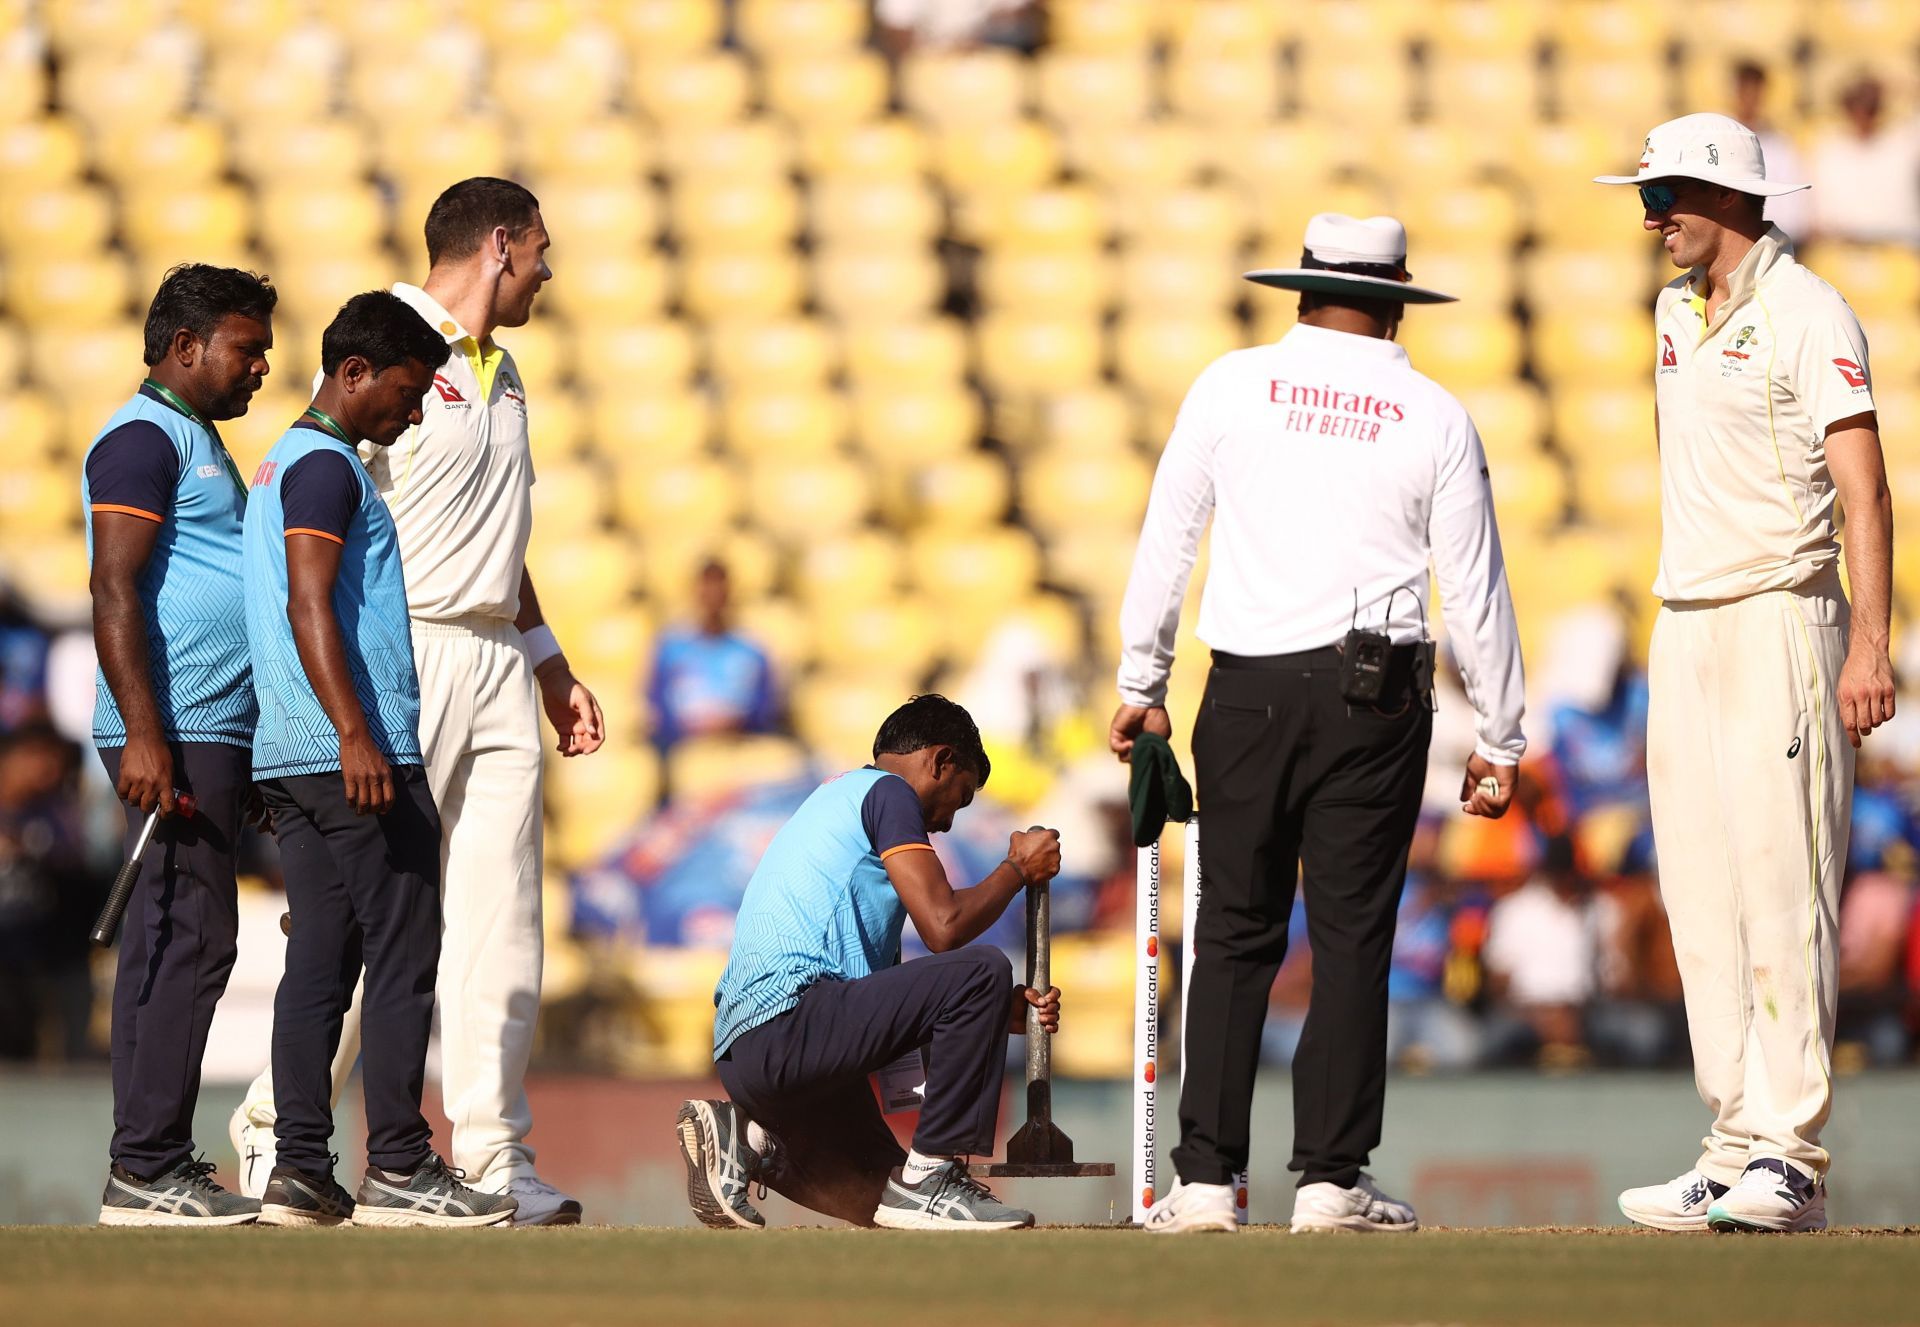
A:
(108, 924)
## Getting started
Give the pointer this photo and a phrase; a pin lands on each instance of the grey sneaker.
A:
(540, 1204)
(293, 1198)
(184, 1196)
(720, 1164)
(948, 1199)
(432, 1195)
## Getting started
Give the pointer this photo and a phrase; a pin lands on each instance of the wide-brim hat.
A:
(1715, 148)
(1364, 258)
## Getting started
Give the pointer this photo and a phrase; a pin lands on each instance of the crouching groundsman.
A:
(337, 756)
(814, 998)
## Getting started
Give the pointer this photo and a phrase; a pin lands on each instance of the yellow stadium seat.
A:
(795, 501)
(1893, 337)
(602, 150)
(638, 356)
(1066, 217)
(1160, 357)
(1483, 276)
(1206, 219)
(816, 91)
(73, 291)
(1224, 27)
(1612, 92)
(1372, 25)
(973, 573)
(667, 29)
(1088, 490)
(703, 768)
(662, 426)
(966, 491)
(13, 354)
(742, 285)
(543, 351)
(67, 221)
(693, 90)
(1529, 493)
(1040, 355)
(1508, 29)
(592, 218)
(287, 392)
(171, 224)
(1510, 416)
(576, 80)
(998, 156)
(1096, 419)
(613, 290)
(38, 501)
(1216, 90)
(677, 498)
(928, 352)
(90, 25)
(1465, 216)
(1878, 279)
(1604, 421)
(892, 424)
(559, 429)
(432, 81)
(1108, 91)
(801, 28)
(1275, 162)
(23, 77)
(856, 567)
(1463, 347)
(1060, 283)
(604, 796)
(1867, 25)
(35, 153)
(752, 561)
(31, 423)
(836, 714)
(790, 423)
(1119, 27)
(571, 496)
(761, 149)
(1586, 278)
(1284, 217)
(273, 89)
(1138, 160)
(423, 157)
(575, 565)
(780, 354)
(862, 285)
(1177, 281)
(1635, 29)
(184, 152)
(901, 634)
(276, 154)
(108, 89)
(1094, 562)
(783, 629)
(715, 213)
(972, 87)
(613, 644)
(890, 148)
(891, 212)
(314, 220)
(1619, 491)
(312, 288)
(1593, 346)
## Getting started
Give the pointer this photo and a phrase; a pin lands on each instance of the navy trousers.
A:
(177, 946)
(803, 1075)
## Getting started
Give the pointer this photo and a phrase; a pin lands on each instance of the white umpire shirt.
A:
(1334, 473)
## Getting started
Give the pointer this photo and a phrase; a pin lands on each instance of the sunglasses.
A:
(1657, 197)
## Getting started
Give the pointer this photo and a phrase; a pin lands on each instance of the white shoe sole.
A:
(1727, 1223)
(1348, 1225)
(553, 1218)
(892, 1218)
(124, 1216)
(703, 1181)
(1197, 1225)
(295, 1218)
(393, 1218)
(1667, 1221)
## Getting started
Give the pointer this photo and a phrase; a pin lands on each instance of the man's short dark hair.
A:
(382, 329)
(197, 296)
(463, 216)
(933, 720)
(1749, 71)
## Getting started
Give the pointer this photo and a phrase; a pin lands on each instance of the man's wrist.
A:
(1018, 874)
(542, 648)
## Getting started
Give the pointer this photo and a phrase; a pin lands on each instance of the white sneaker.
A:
(1193, 1207)
(1771, 1195)
(1679, 1204)
(1363, 1208)
(257, 1150)
(541, 1204)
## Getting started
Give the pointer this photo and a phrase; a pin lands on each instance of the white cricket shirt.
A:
(460, 484)
(1746, 503)
(1333, 471)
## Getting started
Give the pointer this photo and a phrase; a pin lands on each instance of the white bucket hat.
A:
(1345, 256)
(1714, 148)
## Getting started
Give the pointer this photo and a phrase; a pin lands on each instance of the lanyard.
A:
(327, 422)
(173, 399)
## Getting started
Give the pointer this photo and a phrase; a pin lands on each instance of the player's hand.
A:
(1129, 721)
(1035, 853)
(572, 710)
(1476, 799)
(368, 778)
(146, 774)
(1866, 690)
(1047, 1002)
(254, 812)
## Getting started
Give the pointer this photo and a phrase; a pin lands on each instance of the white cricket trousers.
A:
(480, 733)
(1751, 776)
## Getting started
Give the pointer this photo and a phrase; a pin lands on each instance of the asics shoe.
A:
(293, 1198)
(432, 1195)
(948, 1198)
(721, 1167)
(1363, 1209)
(183, 1196)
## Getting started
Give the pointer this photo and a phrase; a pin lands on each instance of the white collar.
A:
(1305, 335)
(434, 312)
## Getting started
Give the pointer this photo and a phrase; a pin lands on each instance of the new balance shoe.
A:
(721, 1166)
(257, 1150)
(432, 1195)
(1363, 1209)
(947, 1198)
(541, 1204)
(294, 1198)
(1771, 1195)
(1679, 1204)
(183, 1196)
(1193, 1207)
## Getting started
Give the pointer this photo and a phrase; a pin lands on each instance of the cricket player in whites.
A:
(459, 487)
(1763, 679)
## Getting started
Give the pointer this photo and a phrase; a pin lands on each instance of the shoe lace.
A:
(955, 1176)
(199, 1173)
(435, 1164)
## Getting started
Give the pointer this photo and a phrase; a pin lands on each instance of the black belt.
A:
(1326, 659)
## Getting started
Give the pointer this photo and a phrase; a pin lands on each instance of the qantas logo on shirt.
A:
(1669, 358)
(448, 392)
(1855, 375)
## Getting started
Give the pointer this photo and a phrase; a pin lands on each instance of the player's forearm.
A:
(323, 655)
(120, 638)
(1868, 548)
(529, 615)
(969, 912)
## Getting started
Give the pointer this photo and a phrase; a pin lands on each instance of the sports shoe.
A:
(257, 1150)
(1771, 1195)
(945, 1199)
(1679, 1204)
(720, 1165)
(432, 1195)
(1194, 1207)
(294, 1198)
(183, 1196)
(1362, 1208)
(541, 1204)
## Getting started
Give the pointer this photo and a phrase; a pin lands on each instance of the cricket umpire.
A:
(1334, 472)
(1762, 679)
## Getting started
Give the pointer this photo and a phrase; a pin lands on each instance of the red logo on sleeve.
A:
(1855, 375)
(448, 392)
(264, 475)
(1668, 359)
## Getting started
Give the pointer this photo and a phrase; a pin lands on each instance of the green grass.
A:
(1047, 1278)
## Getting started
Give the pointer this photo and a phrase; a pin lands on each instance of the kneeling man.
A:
(815, 998)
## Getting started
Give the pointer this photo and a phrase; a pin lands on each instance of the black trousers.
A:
(361, 889)
(177, 946)
(803, 1075)
(1295, 783)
